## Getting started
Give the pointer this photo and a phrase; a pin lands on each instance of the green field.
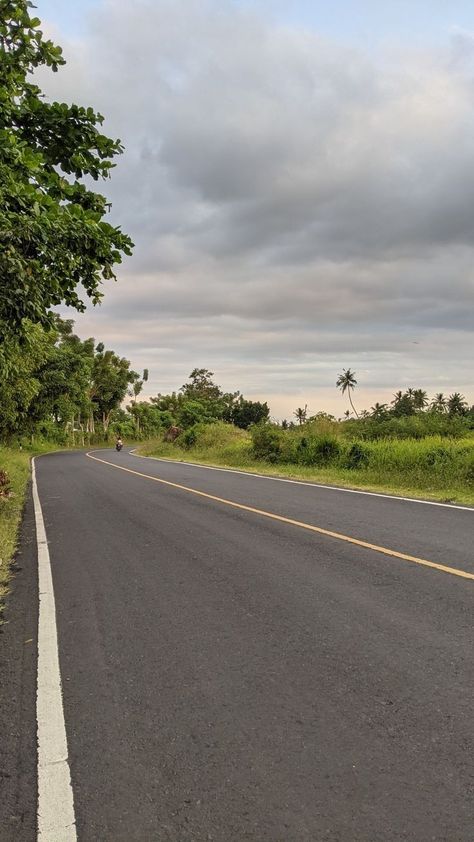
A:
(434, 467)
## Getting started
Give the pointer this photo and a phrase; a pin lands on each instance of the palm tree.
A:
(438, 404)
(457, 404)
(420, 398)
(379, 410)
(301, 414)
(346, 382)
(397, 397)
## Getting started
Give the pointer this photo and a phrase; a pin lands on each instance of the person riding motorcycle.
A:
(118, 444)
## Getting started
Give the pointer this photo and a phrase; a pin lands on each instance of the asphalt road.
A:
(230, 677)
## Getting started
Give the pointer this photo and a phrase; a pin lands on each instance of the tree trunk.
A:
(353, 407)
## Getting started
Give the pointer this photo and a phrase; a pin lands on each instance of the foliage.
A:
(53, 385)
(430, 467)
(244, 413)
(347, 382)
(16, 465)
(111, 376)
(266, 442)
(301, 414)
(417, 425)
(193, 412)
(53, 236)
(314, 450)
(202, 401)
(357, 456)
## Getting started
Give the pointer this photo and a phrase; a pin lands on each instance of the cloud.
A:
(298, 205)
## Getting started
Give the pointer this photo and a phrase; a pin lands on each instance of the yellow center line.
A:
(453, 571)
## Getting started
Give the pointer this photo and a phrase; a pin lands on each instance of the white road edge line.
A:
(56, 819)
(303, 482)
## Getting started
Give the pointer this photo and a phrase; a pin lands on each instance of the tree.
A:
(346, 382)
(243, 413)
(379, 411)
(457, 404)
(403, 404)
(148, 420)
(194, 412)
(64, 379)
(111, 375)
(420, 399)
(438, 404)
(20, 384)
(137, 386)
(53, 237)
(301, 414)
(201, 386)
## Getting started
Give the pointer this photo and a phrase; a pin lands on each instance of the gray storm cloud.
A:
(298, 206)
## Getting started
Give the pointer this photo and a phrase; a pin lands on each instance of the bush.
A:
(189, 437)
(469, 469)
(357, 456)
(317, 450)
(419, 426)
(266, 442)
(438, 457)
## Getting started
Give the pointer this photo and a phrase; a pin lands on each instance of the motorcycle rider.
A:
(119, 444)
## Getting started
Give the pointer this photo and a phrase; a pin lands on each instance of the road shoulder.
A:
(18, 661)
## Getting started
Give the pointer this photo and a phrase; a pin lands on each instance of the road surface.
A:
(229, 676)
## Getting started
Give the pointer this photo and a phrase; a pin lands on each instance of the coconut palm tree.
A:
(438, 404)
(301, 414)
(457, 404)
(420, 398)
(346, 382)
(379, 410)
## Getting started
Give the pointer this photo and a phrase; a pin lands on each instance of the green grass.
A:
(432, 468)
(17, 465)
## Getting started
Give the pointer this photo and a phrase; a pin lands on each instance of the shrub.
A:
(357, 456)
(438, 457)
(326, 449)
(189, 437)
(266, 443)
(319, 450)
(469, 469)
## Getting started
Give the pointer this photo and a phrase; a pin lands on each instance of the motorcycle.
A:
(118, 446)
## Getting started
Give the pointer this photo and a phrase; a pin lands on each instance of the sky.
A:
(298, 181)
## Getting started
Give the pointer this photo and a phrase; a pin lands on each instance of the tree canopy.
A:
(53, 236)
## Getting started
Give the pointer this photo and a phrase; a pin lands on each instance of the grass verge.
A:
(17, 465)
(234, 450)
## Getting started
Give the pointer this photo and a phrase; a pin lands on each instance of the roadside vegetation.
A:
(413, 447)
(434, 467)
(58, 390)
(13, 481)
(56, 247)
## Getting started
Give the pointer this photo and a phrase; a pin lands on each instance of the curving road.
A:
(230, 676)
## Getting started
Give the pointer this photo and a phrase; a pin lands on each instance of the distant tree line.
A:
(55, 385)
(59, 387)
